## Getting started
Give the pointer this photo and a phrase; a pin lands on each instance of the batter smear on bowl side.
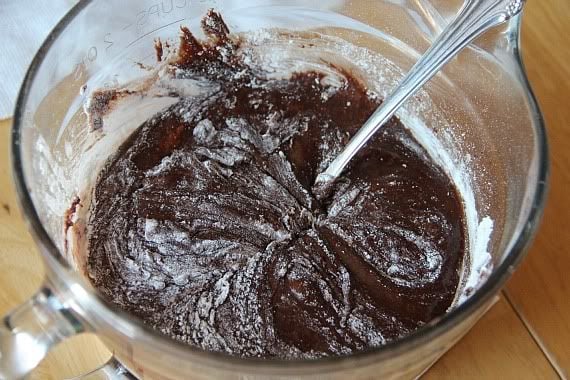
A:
(203, 224)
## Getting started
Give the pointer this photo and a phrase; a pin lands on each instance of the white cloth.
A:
(24, 26)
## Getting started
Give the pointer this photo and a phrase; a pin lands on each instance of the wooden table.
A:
(526, 335)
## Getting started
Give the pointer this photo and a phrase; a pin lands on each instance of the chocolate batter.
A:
(203, 224)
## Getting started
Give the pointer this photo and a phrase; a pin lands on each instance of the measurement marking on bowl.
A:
(154, 30)
(108, 41)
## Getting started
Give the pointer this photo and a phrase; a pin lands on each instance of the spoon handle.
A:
(474, 18)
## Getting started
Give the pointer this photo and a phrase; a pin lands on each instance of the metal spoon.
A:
(474, 18)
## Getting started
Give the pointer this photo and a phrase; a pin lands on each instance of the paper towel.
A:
(24, 26)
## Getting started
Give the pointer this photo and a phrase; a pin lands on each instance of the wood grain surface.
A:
(540, 290)
(526, 335)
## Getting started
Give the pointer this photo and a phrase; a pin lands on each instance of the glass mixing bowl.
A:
(480, 107)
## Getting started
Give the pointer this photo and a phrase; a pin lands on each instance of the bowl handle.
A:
(28, 332)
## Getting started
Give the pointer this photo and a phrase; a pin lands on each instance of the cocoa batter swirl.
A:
(203, 223)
